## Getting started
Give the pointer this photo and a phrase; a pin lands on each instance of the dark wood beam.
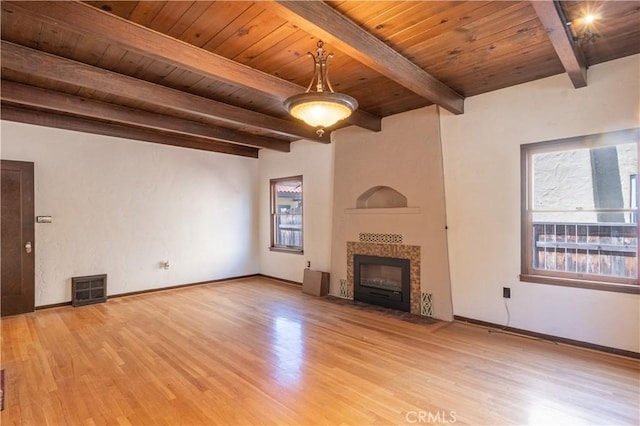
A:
(30, 96)
(550, 14)
(89, 21)
(78, 124)
(30, 61)
(321, 20)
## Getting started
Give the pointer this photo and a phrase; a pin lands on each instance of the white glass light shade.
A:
(321, 109)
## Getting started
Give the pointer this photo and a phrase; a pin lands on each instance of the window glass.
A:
(580, 210)
(286, 213)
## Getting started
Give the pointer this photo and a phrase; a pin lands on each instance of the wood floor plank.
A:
(255, 351)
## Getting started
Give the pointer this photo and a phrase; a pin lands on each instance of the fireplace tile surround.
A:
(388, 250)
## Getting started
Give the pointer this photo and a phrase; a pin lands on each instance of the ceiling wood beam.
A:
(30, 96)
(78, 124)
(30, 61)
(89, 21)
(550, 14)
(321, 20)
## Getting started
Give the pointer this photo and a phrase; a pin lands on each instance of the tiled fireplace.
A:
(389, 201)
(382, 281)
(393, 251)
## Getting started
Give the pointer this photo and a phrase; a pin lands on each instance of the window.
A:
(633, 197)
(579, 212)
(286, 214)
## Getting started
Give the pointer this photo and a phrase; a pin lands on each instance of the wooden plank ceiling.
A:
(212, 75)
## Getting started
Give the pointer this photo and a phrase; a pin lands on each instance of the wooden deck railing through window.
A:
(609, 249)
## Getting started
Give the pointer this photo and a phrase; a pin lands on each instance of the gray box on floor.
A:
(315, 283)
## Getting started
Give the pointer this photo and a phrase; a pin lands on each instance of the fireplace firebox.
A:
(383, 281)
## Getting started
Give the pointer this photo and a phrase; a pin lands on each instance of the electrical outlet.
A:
(506, 292)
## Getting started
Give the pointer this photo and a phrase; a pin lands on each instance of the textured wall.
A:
(121, 207)
(564, 179)
(482, 179)
(406, 156)
(314, 161)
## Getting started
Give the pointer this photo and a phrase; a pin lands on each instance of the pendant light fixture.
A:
(324, 107)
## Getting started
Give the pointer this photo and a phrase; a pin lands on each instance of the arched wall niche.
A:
(380, 197)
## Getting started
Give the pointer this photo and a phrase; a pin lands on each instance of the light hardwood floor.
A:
(255, 351)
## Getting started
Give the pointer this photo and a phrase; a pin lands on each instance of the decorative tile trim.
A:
(370, 237)
(388, 250)
(426, 305)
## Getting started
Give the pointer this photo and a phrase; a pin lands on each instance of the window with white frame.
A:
(286, 214)
(579, 211)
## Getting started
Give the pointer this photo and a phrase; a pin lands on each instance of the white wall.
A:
(121, 207)
(482, 183)
(314, 161)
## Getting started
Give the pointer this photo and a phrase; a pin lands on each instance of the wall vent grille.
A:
(369, 237)
(345, 291)
(426, 304)
(88, 290)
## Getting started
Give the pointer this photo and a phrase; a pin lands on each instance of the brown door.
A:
(17, 239)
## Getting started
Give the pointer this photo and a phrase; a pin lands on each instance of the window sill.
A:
(591, 285)
(287, 250)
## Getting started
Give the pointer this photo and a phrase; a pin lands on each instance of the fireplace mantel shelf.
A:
(394, 210)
